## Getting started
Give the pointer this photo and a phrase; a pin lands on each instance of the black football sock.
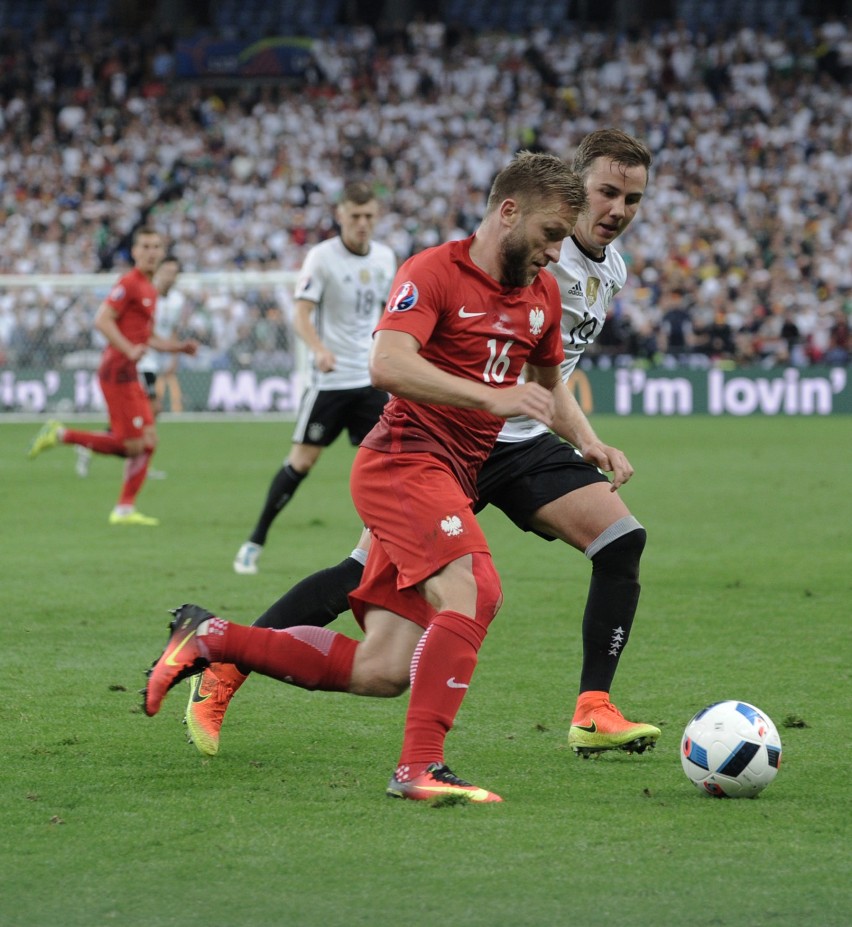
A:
(281, 490)
(610, 608)
(317, 600)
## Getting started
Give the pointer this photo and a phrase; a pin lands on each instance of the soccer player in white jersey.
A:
(541, 483)
(340, 294)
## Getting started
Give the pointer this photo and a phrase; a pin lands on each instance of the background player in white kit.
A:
(340, 295)
(169, 321)
(541, 483)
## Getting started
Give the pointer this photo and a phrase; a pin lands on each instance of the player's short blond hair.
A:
(535, 177)
(142, 230)
(358, 192)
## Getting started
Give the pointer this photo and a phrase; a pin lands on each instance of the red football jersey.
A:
(134, 299)
(469, 325)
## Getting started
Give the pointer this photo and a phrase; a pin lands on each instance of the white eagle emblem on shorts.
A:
(536, 320)
(452, 526)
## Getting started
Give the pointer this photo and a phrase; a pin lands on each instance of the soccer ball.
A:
(730, 750)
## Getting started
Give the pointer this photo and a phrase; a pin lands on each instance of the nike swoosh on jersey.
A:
(451, 682)
(464, 314)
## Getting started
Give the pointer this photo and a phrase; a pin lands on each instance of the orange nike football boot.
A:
(185, 655)
(210, 694)
(598, 725)
(435, 781)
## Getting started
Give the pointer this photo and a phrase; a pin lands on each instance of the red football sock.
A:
(308, 657)
(101, 442)
(135, 471)
(441, 670)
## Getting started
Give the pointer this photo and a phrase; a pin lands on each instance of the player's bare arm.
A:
(106, 323)
(173, 345)
(570, 423)
(304, 327)
(397, 367)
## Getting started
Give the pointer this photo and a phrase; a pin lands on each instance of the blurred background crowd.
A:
(741, 253)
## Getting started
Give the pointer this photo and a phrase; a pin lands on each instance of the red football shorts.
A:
(129, 409)
(420, 519)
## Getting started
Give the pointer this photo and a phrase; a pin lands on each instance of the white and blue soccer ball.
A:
(731, 750)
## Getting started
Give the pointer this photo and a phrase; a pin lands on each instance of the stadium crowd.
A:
(743, 254)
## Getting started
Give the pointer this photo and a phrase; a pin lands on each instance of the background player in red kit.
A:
(126, 319)
(464, 320)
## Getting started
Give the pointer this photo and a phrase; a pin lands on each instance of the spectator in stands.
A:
(752, 181)
(676, 334)
(837, 354)
(716, 340)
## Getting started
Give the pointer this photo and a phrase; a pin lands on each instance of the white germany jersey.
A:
(587, 286)
(167, 317)
(350, 291)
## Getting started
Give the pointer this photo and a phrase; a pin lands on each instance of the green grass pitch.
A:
(110, 818)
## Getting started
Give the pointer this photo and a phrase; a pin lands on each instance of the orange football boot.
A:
(435, 781)
(210, 694)
(598, 725)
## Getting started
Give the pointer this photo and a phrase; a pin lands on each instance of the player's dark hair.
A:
(614, 144)
(170, 259)
(359, 192)
(534, 177)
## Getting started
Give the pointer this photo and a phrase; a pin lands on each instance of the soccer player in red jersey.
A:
(465, 319)
(542, 484)
(126, 319)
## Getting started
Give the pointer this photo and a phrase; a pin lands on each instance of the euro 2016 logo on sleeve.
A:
(404, 298)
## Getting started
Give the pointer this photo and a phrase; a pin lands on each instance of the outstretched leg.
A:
(316, 600)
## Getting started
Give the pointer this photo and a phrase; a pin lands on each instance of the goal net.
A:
(250, 360)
